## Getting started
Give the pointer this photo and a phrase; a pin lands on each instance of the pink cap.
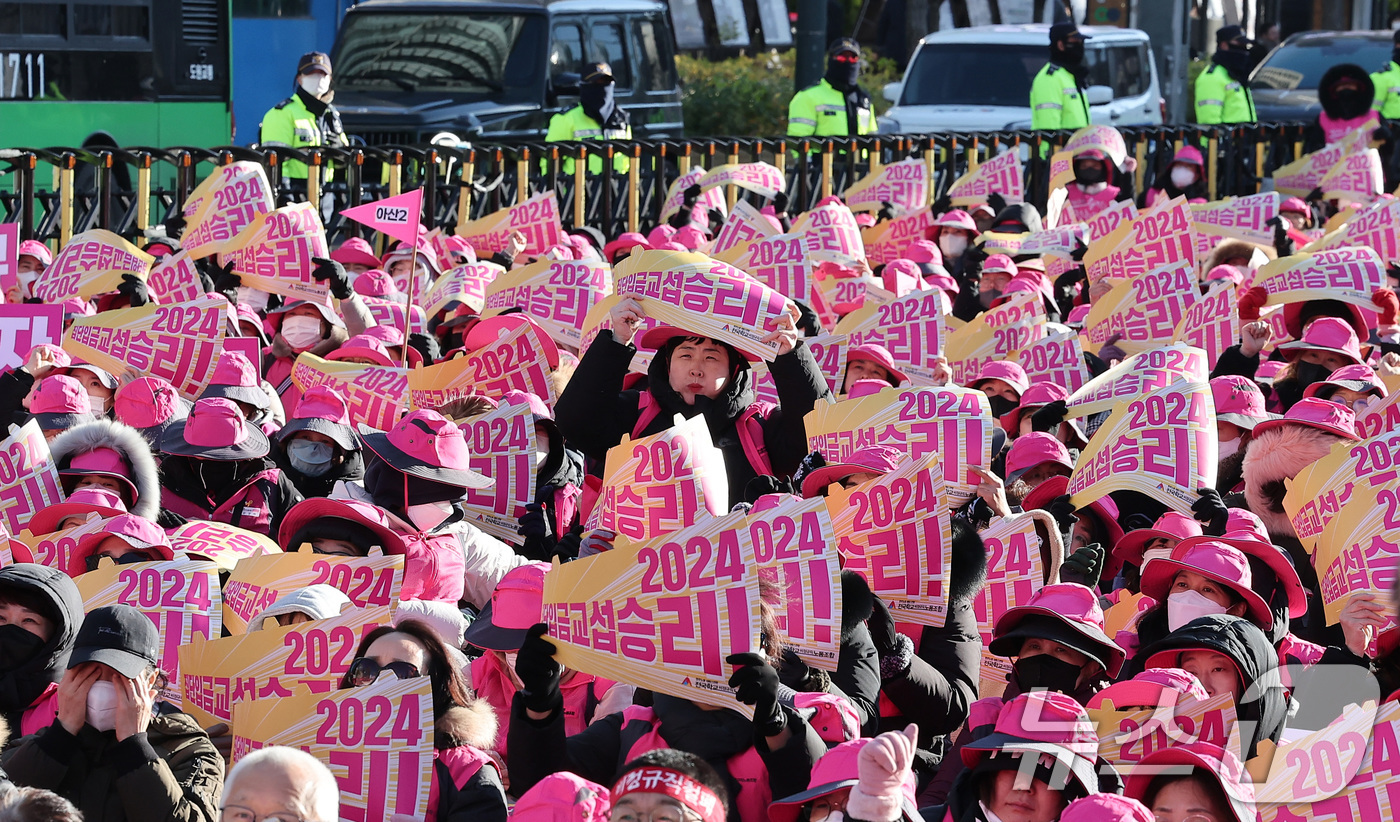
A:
(1171, 526)
(1355, 377)
(1189, 155)
(77, 306)
(518, 599)
(1033, 449)
(878, 354)
(563, 797)
(56, 355)
(362, 346)
(1043, 722)
(1071, 604)
(147, 402)
(60, 395)
(355, 251)
(956, 218)
(1239, 401)
(1106, 807)
(879, 459)
(1211, 761)
(1242, 519)
(661, 234)
(321, 402)
(833, 717)
(582, 248)
(1325, 334)
(459, 251)
(376, 283)
(923, 251)
(37, 250)
(625, 241)
(865, 219)
(1215, 560)
(1225, 272)
(943, 282)
(838, 769)
(1008, 372)
(537, 405)
(999, 264)
(1078, 315)
(691, 237)
(1295, 205)
(1268, 370)
(901, 277)
(1315, 413)
(1151, 688)
(1360, 321)
(87, 500)
(138, 532)
(216, 423)
(391, 337)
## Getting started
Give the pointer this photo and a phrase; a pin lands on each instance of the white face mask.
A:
(430, 515)
(26, 280)
(952, 245)
(1228, 448)
(102, 706)
(253, 297)
(99, 405)
(1155, 553)
(301, 333)
(1182, 176)
(315, 84)
(1185, 606)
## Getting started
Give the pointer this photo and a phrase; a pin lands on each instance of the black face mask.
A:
(17, 646)
(597, 101)
(1072, 56)
(1089, 173)
(987, 298)
(125, 559)
(842, 76)
(1045, 671)
(1309, 373)
(1235, 62)
(1001, 406)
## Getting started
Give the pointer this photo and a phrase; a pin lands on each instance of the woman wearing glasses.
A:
(466, 782)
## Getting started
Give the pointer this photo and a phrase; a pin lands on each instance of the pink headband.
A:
(674, 784)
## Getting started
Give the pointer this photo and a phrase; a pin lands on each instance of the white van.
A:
(979, 79)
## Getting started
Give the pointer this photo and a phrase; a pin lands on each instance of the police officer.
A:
(837, 106)
(1387, 82)
(1057, 93)
(1222, 90)
(306, 119)
(596, 117)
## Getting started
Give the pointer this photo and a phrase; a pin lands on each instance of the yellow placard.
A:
(56, 549)
(1350, 274)
(996, 334)
(1212, 322)
(1242, 218)
(904, 185)
(1156, 238)
(220, 543)
(889, 240)
(1139, 374)
(89, 264)
(779, 261)
(375, 395)
(275, 252)
(537, 218)
(832, 233)
(465, 284)
(502, 445)
(1359, 550)
(911, 327)
(1015, 570)
(1377, 227)
(222, 205)
(556, 294)
(1301, 176)
(744, 224)
(257, 582)
(514, 362)
(180, 343)
(1142, 311)
(709, 198)
(1127, 737)
(999, 175)
(763, 179)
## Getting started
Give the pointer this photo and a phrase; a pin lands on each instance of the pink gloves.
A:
(884, 765)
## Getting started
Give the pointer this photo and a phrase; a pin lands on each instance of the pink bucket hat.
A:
(391, 337)
(77, 307)
(37, 250)
(691, 237)
(1150, 689)
(1325, 334)
(491, 329)
(925, 252)
(1254, 544)
(322, 411)
(458, 252)
(1228, 273)
(101, 501)
(900, 277)
(878, 459)
(138, 532)
(1008, 372)
(355, 251)
(955, 218)
(1033, 449)
(426, 445)
(101, 462)
(1078, 315)
(626, 241)
(999, 264)
(1268, 370)
(363, 347)
(1359, 320)
(235, 378)
(1239, 401)
(1295, 205)
(60, 402)
(516, 604)
(376, 283)
(838, 769)
(563, 797)
(1354, 377)
(149, 404)
(1078, 624)
(215, 429)
(880, 355)
(307, 512)
(1043, 722)
(1315, 413)
(1212, 559)
(1106, 807)
(537, 405)
(865, 388)
(1172, 526)
(1213, 761)
(661, 234)
(1102, 509)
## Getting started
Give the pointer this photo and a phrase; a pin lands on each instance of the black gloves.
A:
(1063, 512)
(222, 279)
(973, 258)
(941, 205)
(1314, 196)
(756, 684)
(538, 534)
(427, 345)
(780, 202)
(1080, 249)
(170, 520)
(134, 289)
(539, 672)
(333, 274)
(1283, 244)
(174, 225)
(1084, 566)
(996, 203)
(886, 211)
(1050, 415)
(1211, 511)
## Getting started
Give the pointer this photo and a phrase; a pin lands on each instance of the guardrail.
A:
(56, 192)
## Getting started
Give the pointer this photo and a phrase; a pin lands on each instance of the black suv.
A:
(409, 71)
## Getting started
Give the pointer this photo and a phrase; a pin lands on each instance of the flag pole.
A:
(408, 309)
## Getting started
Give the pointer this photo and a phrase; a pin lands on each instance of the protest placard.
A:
(894, 531)
(829, 350)
(661, 614)
(89, 264)
(257, 582)
(275, 252)
(832, 233)
(375, 395)
(1321, 490)
(1345, 771)
(1156, 238)
(221, 543)
(556, 294)
(1381, 417)
(764, 179)
(910, 327)
(28, 476)
(1015, 570)
(1144, 310)
(24, 326)
(995, 334)
(394, 315)
(56, 549)
(951, 421)
(704, 296)
(600, 317)
(377, 740)
(779, 261)
(1059, 242)
(465, 284)
(514, 362)
(274, 662)
(223, 204)
(1161, 444)
(1056, 358)
(1376, 227)
(1108, 220)
(675, 195)
(180, 596)
(1126, 737)
(999, 175)
(1358, 178)
(889, 240)
(1241, 218)
(9, 257)
(174, 280)
(1138, 375)
(1349, 274)
(502, 445)
(659, 484)
(905, 185)
(1301, 176)
(744, 224)
(795, 548)
(1107, 139)
(1359, 549)
(180, 343)
(537, 218)
(1212, 322)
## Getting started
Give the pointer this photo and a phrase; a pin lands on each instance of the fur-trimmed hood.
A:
(1230, 249)
(1276, 455)
(473, 724)
(126, 441)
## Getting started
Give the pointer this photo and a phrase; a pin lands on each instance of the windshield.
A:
(973, 74)
(1301, 65)
(491, 55)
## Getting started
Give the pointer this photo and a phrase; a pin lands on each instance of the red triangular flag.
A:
(397, 216)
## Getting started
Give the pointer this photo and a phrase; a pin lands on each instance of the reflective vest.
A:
(1387, 82)
(820, 111)
(1056, 100)
(575, 125)
(1221, 98)
(291, 123)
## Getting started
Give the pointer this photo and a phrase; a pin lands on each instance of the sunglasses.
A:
(846, 58)
(364, 671)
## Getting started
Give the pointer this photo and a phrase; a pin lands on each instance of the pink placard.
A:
(24, 326)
